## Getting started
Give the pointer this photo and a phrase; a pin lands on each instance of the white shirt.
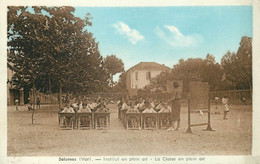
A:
(224, 100)
(125, 106)
(67, 110)
(84, 110)
(149, 110)
(152, 104)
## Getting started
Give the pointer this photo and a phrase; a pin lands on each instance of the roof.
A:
(149, 66)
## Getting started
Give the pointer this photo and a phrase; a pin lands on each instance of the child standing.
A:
(16, 103)
(225, 102)
(216, 101)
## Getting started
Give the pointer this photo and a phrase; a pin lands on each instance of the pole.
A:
(189, 126)
(209, 126)
(33, 100)
(32, 116)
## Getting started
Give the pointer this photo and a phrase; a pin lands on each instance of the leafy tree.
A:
(113, 65)
(229, 64)
(238, 66)
(160, 81)
(210, 59)
(188, 70)
(25, 43)
(244, 55)
(50, 45)
(121, 85)
(212, 73)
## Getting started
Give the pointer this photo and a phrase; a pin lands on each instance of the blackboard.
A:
(198, 95)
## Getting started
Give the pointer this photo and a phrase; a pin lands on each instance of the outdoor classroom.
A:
(93, 125)
(129, 81)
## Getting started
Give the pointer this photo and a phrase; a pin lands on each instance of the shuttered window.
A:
(148, 75)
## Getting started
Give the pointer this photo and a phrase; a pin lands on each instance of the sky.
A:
(167, 34)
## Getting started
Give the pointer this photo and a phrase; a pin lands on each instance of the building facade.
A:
(141, 74)
(12, 92)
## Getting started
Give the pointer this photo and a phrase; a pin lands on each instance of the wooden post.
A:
(209, 126)
(189, 124)
(33, 96)
(32, 116)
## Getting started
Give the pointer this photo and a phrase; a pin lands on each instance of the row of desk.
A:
(139, 121)
(91, 120)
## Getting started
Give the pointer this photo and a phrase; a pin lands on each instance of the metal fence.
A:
(235, 96)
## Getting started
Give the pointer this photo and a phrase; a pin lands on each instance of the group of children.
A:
(143, 105)
(149, 105)
(87, 105)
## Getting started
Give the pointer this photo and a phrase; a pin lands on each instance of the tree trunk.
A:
(33, 95)
(60, 97)
(49, 83)
(33, 100)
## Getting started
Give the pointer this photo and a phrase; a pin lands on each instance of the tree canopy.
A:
(51, 49)
(234, 72)
(237, 67)
(192, 69)
(113, 65)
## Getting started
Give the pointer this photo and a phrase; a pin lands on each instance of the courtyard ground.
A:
(44, 138)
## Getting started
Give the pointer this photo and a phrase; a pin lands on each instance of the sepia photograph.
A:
(98, 83)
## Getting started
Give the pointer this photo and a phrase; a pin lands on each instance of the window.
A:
(136, 75)
(148, 75)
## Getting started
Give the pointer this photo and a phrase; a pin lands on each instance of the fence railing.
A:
(235, 96)
(46, 99)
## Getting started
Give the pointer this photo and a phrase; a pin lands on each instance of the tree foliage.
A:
(237, 67)
(192, 69)
(113, 65)
(235, 71)
(120, 86)
(50, 48)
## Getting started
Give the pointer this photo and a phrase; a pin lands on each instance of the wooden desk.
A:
(134, 118)
(164, 120)
(150, 120)
(89, 119)
(70, 116)
(105, 116)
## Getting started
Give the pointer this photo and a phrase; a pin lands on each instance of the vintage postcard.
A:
(129, 82)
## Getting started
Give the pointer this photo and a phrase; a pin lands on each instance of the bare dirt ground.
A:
(44, 138)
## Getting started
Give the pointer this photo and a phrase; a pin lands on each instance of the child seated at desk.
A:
(67, 119)
(75, 106)
(133, 120)
(85, 120)
(101, 107)
(148, 107)
(103, 120)
(84, 109)
(132, 108)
